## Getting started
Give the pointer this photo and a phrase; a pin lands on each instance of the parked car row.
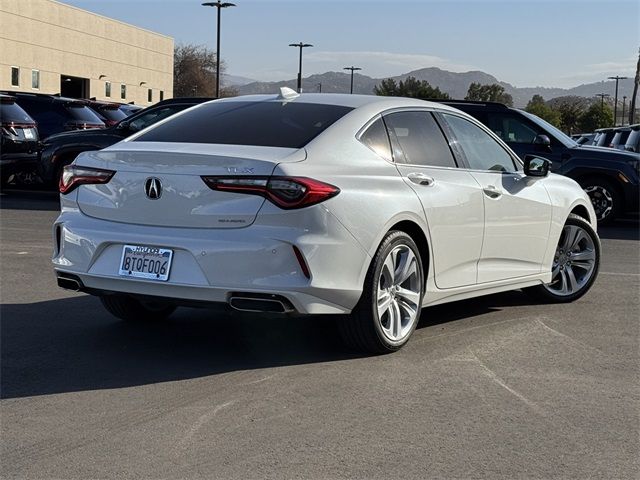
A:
(42, 133)
(625, 138)
(610, 177)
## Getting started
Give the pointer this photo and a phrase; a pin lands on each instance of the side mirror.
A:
(542, 143)
(536, 166)
(123, 125)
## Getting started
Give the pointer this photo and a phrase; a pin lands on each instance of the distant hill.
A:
(455, 84)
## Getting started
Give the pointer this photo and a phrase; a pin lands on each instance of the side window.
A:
(481, 151)
(418, 140)
(376, 138)
(511, 129)
(149, 118)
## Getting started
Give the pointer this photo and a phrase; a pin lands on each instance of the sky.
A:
(562, 43)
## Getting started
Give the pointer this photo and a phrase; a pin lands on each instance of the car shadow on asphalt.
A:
(72, 344)
(43, 200)
(623, 229)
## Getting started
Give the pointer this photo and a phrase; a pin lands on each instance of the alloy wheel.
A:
(398, 293)
(601, 199)
(574, 261)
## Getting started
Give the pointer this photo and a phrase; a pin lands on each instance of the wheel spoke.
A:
(571, 278)
(388, 271)
(384, 302)
(570, 234)
(406, 268)
(409, 308)
(579, 236)
(407, 296)
(583, 255)
(397, 319)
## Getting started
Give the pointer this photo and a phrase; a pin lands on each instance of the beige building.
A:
(49, 47)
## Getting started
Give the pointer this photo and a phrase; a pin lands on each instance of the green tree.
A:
(596, 116)
(194, 72)
(539, 107)
(488, 93)
(410, 87)
(570, 115)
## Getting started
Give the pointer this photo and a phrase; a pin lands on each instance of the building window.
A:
(161, 95)
(107, 89)
(123, 91)
(15, 76)
(35, 79)
(149, 95)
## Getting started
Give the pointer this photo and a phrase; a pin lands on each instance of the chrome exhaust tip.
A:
(257, 302)
(70, 283)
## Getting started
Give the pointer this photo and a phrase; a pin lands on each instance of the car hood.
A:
(73, 134)
(603, 153)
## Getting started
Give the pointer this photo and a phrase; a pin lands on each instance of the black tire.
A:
(362, 329)
(133, 310)
(542, 292)
(605, 198)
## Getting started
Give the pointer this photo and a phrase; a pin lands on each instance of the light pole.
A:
(602, 97)
(300, 46)
(624, 104)
(219, 5)
(615, 102)
(352, 68)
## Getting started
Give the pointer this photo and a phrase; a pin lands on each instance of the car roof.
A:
(342, 99)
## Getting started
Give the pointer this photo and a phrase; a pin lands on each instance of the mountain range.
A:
(455, 84)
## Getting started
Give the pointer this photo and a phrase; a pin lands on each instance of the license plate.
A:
(151, 263)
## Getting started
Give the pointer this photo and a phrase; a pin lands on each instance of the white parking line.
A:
(620, 274)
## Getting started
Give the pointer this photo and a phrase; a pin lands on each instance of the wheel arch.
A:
(418, 235)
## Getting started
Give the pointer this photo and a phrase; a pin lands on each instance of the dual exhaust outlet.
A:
(241, 301)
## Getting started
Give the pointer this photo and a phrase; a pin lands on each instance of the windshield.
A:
(558, 134)
(112, 114)
(266, 124)
(83, 114)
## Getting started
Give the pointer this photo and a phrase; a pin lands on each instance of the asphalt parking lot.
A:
(496, 387)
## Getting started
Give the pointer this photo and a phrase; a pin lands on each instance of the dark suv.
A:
(62, 149)
(55, 114)
(610, 177)
(18, 139)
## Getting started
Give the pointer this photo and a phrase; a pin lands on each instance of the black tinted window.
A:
(481, 151)
(11, 112)
(418, 139)
(512, 129)
(268, 124)
(376, 138)
(83, 114)
(149, 117)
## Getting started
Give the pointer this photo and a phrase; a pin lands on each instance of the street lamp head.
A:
(218, 4)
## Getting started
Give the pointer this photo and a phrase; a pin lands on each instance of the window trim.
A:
(123, 90)
(150, 95)
(107, 89)
(33, 70)
(12, 67)
(459, 152)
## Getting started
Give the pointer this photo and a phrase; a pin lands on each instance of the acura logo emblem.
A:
(153, 188)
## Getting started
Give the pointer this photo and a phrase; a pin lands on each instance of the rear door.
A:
(517, 209)
(450, 197)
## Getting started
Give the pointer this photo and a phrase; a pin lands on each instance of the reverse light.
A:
(285, 192)
(73, 176)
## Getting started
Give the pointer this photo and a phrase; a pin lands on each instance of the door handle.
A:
(421, 179)
(492, 192)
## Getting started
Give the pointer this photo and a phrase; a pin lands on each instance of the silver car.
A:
(361, 206)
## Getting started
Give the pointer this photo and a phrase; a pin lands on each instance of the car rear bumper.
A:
(211, 265)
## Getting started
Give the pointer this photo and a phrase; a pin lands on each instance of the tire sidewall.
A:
(615, 196)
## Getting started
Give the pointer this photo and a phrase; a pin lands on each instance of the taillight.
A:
(73, 176)
(285, 192)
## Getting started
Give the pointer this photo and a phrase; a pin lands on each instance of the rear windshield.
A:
(83, 114)
(268, 124)
(112, 114)
(12, 113)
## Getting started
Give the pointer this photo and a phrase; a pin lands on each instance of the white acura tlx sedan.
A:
(362, 206)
